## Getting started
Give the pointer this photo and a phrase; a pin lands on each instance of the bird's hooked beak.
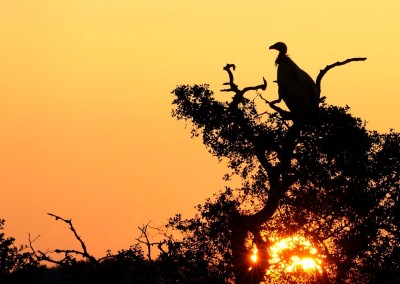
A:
(280, 46)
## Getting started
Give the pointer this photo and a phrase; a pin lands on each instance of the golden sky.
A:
(85, 125)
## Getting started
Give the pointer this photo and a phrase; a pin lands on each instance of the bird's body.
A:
(296, 87)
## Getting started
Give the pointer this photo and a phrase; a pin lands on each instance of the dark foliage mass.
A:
(342, 183)
(330, 180)
(17, 264)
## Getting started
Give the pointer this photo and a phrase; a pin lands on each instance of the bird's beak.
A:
(272, 46)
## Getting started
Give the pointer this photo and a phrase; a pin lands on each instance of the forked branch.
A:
(235, 88)
(145, 238)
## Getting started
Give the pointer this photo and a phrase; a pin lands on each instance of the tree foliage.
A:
(339, 188)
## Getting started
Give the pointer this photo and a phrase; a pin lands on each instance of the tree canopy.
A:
(332, 181)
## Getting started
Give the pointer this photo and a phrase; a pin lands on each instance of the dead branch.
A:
(235, 88)
(329, 67)
(84, 253)
(69, 222)
(145, 239)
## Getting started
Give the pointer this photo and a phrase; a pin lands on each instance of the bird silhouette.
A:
(295, 87)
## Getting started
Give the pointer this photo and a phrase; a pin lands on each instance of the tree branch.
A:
(329, 67)
(147, 242)
(235, 88)
(41, 256)
(238, 98)
(262, 86)
(84, 253)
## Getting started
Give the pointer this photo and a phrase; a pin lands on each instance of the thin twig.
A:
(41, 256)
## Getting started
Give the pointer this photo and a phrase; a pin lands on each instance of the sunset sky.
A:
(85, 100)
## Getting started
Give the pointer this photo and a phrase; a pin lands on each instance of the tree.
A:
(331, 181)
(16, 264)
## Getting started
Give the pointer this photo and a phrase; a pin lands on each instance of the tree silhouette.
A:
(333, 182)
(17, 265)
(79, 266)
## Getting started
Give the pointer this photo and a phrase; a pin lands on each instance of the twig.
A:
(41, 256)
(329, 67)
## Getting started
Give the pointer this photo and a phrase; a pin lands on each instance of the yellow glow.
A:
(306, 263)
(309, 260)
(254, 256)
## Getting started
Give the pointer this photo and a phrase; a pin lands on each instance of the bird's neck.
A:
(281, 56)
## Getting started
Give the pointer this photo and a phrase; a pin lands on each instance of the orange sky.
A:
(85, 125)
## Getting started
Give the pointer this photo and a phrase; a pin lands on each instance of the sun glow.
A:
(254, 256)
(290, 255)
(305, 263)
(293, 254)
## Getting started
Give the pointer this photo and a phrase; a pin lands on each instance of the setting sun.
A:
(305, 263)
(291, 255)
(294, 253)
(254, 255)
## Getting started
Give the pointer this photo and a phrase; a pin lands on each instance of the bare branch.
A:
(235, 88)
(84, 253)
(69, 222)
(329, 67)
(145, 239)
(146, 242)
(263, 87)
(40, 256)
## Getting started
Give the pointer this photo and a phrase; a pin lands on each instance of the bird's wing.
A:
(292, 85)
(312, 90)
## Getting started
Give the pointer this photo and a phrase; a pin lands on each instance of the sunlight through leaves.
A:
(294, 253)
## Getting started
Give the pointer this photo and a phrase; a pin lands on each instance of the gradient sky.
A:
(85, 125)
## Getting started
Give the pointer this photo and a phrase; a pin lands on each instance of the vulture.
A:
(295, 87)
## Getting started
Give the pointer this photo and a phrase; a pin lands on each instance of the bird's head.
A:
(280, 46)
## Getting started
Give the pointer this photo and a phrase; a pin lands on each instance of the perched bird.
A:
(296, 87)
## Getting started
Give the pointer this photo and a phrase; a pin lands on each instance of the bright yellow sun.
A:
(295, 253)
(254, 255)
(292, 254)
